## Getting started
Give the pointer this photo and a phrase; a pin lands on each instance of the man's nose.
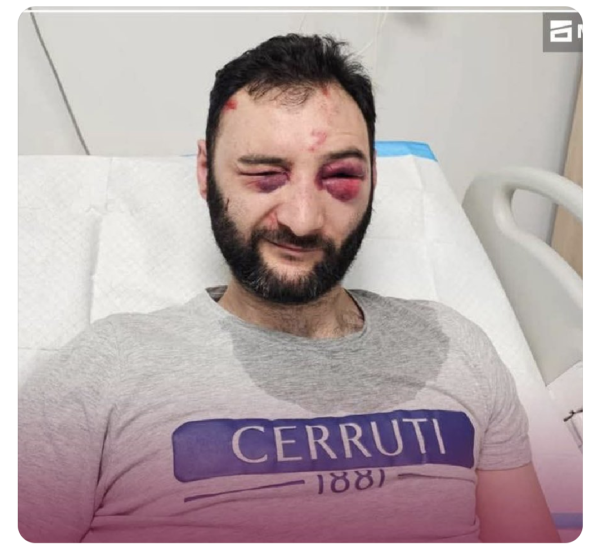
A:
(302, 211)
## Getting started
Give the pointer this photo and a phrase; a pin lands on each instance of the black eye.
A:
(341, 175)
(269, 173)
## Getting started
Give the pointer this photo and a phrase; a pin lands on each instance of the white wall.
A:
(475, 86)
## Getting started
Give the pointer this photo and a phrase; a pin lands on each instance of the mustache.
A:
(284, 236)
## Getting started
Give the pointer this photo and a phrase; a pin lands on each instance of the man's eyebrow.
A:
(263, 160)
(351, 152)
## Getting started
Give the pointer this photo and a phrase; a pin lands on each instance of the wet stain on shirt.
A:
(404, 348)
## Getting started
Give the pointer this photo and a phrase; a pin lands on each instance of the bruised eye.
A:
(343, 189)
(342, 175)
(343, 183)
(266, 182)
(339, 176)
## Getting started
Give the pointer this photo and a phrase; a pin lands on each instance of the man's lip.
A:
(292, 248)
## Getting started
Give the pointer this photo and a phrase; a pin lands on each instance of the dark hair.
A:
(293, 63)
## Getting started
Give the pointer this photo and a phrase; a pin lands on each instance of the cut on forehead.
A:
(330, 98)
(291, 96)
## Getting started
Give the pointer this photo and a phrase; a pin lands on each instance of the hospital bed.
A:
(103, 235)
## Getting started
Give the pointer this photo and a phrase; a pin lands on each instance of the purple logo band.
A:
(228, 447)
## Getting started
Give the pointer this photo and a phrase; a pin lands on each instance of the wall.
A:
(475, 86)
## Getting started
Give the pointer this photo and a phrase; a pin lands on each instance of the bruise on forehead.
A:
(318, 137)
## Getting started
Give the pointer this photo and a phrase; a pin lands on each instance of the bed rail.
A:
(545, 292)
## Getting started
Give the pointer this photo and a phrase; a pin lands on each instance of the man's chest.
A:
(191, 438)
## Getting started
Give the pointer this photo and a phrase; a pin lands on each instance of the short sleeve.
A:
(504, 427)
(505, 441)
(63, 414)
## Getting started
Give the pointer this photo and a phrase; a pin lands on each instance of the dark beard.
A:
(249, 268)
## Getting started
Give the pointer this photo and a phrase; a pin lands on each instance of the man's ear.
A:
(202, 168)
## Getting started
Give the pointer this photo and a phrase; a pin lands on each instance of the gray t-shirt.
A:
(189, 424)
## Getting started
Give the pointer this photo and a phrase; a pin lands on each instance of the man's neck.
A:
(335, 314)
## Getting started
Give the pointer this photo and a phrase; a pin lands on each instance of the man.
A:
(281, 407)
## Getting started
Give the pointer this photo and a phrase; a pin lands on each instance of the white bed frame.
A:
(545, 292)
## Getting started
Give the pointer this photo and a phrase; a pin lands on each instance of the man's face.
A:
(289, 192)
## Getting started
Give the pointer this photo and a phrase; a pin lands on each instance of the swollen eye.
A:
(270, 181)
(345, 189)
(341, 175)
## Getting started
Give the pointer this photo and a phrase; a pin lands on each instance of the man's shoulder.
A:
(415, 305)
(161, 319)
(426, 311)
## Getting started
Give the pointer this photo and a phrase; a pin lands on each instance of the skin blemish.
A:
(319, 137)
(230, 104)
(272, 222)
